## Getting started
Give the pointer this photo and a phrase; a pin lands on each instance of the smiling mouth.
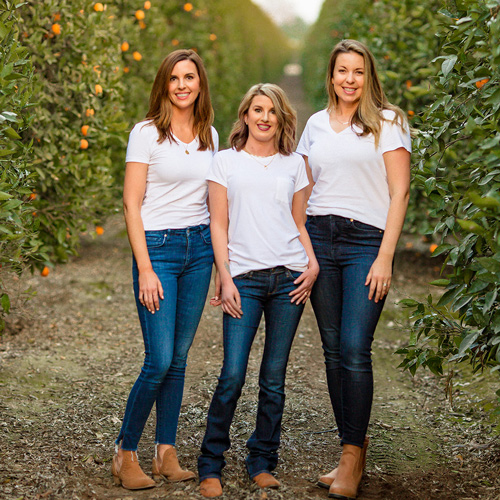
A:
(349, 90)
(184, 95)
(263, 127)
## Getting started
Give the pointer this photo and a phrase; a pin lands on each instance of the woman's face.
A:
(184, 84)
(261, 119)
(348, 77)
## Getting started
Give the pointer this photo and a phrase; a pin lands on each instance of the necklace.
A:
(256, 158)
(185, 147)
(342, 123)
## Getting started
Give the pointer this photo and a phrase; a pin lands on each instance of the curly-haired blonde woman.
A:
(357, 153)
(266, 265)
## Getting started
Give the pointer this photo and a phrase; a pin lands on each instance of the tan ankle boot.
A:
(211, 487)
(169, 468)
(349, 473)
(129, 474)
(327, 480)
(266, 480)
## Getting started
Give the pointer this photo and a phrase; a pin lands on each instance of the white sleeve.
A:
(301, 181)
(215, 138)
(139, 144)
(393, 136)
(305, 141)
(218, 171)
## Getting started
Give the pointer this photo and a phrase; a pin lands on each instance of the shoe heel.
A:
(117, 480)
(157, 477)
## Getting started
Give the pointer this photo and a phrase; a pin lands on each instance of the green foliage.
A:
(78, 82)
(459, 167)
(17, 226)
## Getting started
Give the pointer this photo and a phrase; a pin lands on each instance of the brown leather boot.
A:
(129, 474)
(266, 480)
(327, 480)
(169, 468)
(349, 473)
(211, 487)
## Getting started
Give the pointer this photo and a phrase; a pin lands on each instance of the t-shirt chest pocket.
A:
(282, 193)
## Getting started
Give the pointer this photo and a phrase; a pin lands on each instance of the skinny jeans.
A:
(346, 249)
(182, 260)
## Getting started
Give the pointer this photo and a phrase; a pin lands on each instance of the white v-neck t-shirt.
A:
(262, 232)
(348, 171)
(176, 186)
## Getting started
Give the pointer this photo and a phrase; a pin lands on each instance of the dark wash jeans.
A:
(265, 291)
(182, 260)
(346, 249)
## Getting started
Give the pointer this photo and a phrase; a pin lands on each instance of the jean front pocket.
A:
(361, 226)
(292, 275)
(205, 235)
(155, 239)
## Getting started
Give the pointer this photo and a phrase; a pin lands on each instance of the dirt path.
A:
(68, 363)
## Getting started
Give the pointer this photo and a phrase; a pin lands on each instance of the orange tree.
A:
(78, 118)
(459, 158)
(17, 224)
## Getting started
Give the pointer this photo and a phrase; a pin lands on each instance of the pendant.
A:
(187, 152)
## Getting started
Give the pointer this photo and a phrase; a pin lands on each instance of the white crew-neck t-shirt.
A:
(262, 233)
(348, 171)
(176, 186)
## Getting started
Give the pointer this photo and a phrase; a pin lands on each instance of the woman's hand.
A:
(150, 290)
(231, 301)
(215, 300)
(379, 278)
(305, 281)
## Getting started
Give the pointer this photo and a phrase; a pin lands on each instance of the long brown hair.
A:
(287, 118)
(160, 107)
(368, 115)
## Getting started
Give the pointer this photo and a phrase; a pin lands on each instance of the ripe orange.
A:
(84, 144)
(137, 56)
(142, 25)
(98, 7)
(213, 37)
(480, 84)
(98, 89)
(56, 29)
(188, 7)
(89, 112)
(45, 272)
(433, 247)
(32, 196)
(85, 130)
(408, 84)
(411, 113)
(57, 17)
(175, 42)
(99, 230)
(125, 46)
(147, 4)
(126, 69)
(139, 14)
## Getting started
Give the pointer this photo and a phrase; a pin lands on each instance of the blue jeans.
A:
(265, 291)
(346, 249)
(182, 260)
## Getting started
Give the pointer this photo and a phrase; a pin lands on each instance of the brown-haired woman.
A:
(266, 266)
(357, 153)
(165, 205)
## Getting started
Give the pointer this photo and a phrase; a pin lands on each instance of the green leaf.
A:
(4, 196)
(440, 282)
(5, 302)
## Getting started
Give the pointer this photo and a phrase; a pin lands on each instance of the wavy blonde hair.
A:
(368, 115)
(287, 118)
(160, 106)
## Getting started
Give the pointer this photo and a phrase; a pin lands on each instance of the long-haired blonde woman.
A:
(357, 153)
(165, 204)
(266, 265)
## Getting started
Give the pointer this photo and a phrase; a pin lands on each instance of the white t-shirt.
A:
(262, 233)
(176, 186)
(349, 173)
